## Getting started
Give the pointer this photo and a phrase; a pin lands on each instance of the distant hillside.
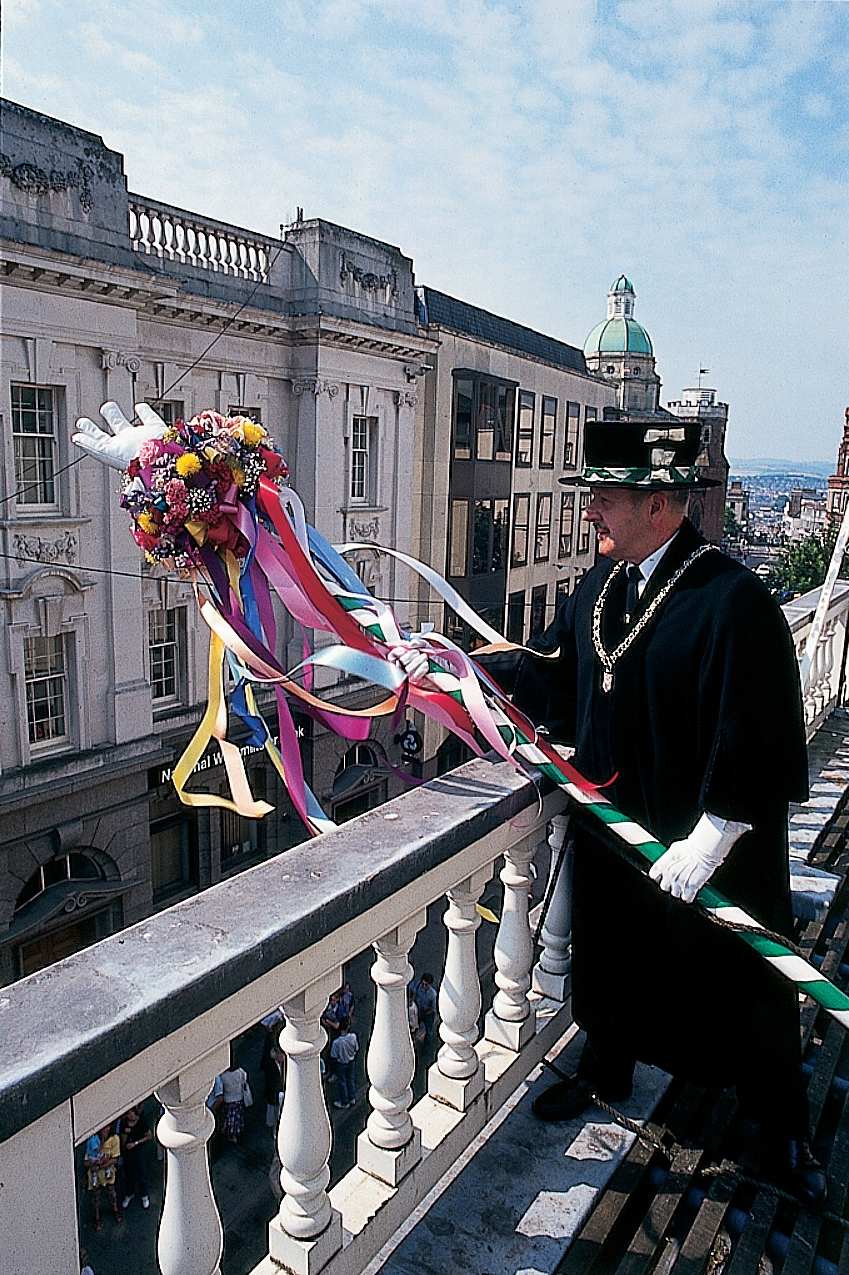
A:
(769, 465)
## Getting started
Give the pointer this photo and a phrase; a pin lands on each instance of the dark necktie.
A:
(631, 595)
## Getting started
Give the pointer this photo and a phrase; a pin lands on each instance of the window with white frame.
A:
(363, 432)
(46, 677)
(542, 539)
(549, 433)
(166, 654)
(584, 528)
(34, 445)
(567, 524)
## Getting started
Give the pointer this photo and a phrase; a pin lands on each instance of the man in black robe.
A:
(679, 688)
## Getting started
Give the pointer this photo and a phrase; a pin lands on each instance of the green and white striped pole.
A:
(638, 840)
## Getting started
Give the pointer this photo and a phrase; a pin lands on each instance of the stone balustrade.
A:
(825, 684)
(176, 235)
(154, 1008)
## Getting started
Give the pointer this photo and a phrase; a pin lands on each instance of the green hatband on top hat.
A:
(651, 452)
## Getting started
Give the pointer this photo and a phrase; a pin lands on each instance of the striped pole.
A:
(637, 839)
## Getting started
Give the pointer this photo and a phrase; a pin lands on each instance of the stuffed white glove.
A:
(688, 864)
(414, 660)
(126, 440)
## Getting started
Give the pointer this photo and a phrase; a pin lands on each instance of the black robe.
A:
(704, 714)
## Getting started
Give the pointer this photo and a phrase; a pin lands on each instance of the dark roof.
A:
(447, 312)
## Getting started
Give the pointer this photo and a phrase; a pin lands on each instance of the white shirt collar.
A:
(649, 564)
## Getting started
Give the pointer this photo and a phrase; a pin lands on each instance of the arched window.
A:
(359, 784)
(64, 867)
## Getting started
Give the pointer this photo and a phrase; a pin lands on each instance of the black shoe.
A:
(563, 1101)
(796, 1170)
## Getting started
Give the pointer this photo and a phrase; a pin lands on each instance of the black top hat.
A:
(651, 452)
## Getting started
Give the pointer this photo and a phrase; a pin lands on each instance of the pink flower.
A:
(149, 452)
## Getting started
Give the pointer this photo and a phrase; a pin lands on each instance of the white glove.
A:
(413, 659)
(126, 440)
(688, 864)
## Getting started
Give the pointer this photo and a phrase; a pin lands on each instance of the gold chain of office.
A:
(609, 659)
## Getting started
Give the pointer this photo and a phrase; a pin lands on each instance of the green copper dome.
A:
(622, 285)
(618, 336)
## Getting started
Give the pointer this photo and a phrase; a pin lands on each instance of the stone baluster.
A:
(190, 1234)
(390, 1144)
(243, 258)
(551, 973)
(168, 237)
(180, 240)
(307, 1231)
(456, 1077)
(512, 1019)
(192, 245)
(157, 234)
(827, 656)
(145, 233)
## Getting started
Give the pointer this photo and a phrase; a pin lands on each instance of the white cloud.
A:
(523, 152)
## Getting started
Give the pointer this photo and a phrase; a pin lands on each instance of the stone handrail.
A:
(823, 687)
(154, 1008)
(177, 235)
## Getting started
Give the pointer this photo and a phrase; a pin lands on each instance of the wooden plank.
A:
(838, 1163)
(650, 1233)
(723, 1112)
(586, 1249)
(820, 1082)
(803, 1245)
(683, 1110)
(750, 1246)
(697, 1245)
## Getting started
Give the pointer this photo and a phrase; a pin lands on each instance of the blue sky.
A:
(522, 153)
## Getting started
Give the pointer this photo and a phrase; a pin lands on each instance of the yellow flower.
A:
(252, 433)
(187, 464)
(147, 523)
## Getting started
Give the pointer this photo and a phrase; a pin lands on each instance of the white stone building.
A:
(364, 386)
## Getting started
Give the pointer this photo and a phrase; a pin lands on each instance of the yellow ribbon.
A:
(213, 725)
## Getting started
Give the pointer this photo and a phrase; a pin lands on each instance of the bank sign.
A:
(210, 760)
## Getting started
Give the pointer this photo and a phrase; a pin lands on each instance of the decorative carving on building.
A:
(365, 530)
(412, 370)
(313, 385)
(367, 279)
(113, 358)
(35, 180)
(403, 399)
(37, 549)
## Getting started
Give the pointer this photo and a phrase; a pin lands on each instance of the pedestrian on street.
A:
(136, 1135)
(426, 1001)
(344, 1051)
(236, 1097)
(101, 1157)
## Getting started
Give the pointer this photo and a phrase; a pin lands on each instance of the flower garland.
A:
(183, 490)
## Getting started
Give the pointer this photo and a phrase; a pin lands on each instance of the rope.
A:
(725, 1171)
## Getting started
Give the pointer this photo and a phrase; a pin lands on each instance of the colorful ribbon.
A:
(320, 591)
